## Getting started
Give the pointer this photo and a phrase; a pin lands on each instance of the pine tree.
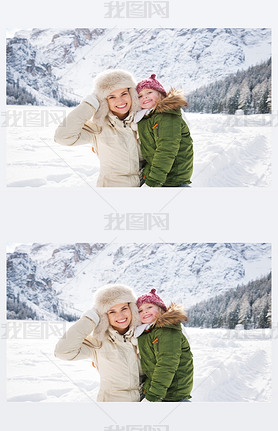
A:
(249, 305)
(249, 90)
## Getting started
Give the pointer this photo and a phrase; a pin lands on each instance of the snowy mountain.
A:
(55, 279)
(58, 66)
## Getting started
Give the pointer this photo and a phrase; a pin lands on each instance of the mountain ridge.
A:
(58, 66)
(55, 279)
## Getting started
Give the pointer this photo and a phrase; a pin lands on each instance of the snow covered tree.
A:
(249, 305)
(249, 90)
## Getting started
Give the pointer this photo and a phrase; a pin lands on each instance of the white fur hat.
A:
(105, 298)
(111, 80)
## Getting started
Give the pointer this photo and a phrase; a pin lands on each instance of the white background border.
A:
(196, 215)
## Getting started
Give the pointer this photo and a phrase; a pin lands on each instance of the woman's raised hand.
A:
(92, 100)
(92, 314)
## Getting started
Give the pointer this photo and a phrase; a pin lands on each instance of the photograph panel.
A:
(59, 300)
(224, 73)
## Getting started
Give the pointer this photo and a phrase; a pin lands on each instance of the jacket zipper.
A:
(155, 127)
(156, 342)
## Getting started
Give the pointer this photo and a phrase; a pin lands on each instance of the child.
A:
(166, 144)
(166, 359)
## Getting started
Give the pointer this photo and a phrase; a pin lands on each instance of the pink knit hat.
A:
(151, 82)
(151, 298)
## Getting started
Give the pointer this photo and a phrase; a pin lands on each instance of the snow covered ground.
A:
(229, 366)
(230, 151)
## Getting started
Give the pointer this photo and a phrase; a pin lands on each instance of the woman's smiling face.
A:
(119, 317)
(119, 102)
(148, 98)
(148, 312)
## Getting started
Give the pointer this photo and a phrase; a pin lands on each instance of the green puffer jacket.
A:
(166, 144)
(166, 358)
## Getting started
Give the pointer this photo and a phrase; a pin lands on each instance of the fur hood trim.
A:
(174, 315)
(173, 101)
(105, 298)
(108, 81)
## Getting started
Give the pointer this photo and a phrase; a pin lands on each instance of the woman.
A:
(104, 120)
(104, 334)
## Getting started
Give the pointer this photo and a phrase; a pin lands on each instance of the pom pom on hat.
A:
(152, 83)
(151, 298)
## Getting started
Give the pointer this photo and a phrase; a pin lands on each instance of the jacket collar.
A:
(115, 335)
(174, 315)
(141, 328)
(114, 120)
(172, 102)
(141, 114)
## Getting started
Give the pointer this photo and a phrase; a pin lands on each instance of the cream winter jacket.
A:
(115, 358)
(116, 144)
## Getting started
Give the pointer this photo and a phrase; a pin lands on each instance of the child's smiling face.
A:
(148, 98)
(148, 312)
